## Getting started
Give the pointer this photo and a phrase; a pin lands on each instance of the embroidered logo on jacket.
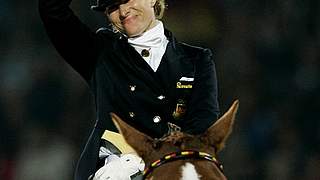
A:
(184, 86)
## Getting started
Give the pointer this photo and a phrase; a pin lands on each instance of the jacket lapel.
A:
(139, 67)
(174, 65)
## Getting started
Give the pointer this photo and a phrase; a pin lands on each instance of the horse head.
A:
(180, 155)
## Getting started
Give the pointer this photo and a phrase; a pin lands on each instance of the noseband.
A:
(190, 154)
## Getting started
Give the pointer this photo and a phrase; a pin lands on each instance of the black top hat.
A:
(103, 4)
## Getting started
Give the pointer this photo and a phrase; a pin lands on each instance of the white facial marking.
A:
(189, 172)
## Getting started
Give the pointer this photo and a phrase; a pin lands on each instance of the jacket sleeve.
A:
(203, 106)
(74, 41)
(79, 47)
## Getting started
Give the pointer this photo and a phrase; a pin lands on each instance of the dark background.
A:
(266, 53)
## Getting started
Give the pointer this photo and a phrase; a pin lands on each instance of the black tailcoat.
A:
(123, 83)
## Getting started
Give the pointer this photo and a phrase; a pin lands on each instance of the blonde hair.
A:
(159, 8)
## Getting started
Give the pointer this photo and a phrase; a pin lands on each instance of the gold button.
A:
(132, 87)
(131, 114)
(156, 119)
(161, 97)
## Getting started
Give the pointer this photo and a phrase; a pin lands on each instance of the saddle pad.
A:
(119, 141)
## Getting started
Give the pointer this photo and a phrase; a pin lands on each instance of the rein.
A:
(189, 154)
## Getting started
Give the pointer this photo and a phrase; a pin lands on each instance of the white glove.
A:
(120, 168)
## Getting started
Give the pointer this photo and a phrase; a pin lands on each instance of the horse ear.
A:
(217, 134)
(139, 141)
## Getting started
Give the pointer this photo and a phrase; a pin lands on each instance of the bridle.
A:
(188, 154)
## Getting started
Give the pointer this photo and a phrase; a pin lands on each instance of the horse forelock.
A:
(184, 141)
(174, 137)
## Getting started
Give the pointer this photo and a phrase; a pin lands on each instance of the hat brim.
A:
(99, 8)
(103, 4)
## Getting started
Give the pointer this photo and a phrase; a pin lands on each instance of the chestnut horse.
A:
(181, 156)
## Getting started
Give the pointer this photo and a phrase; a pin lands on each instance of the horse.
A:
(181, 156)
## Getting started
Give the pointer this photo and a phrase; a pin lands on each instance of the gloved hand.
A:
(120, 168)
